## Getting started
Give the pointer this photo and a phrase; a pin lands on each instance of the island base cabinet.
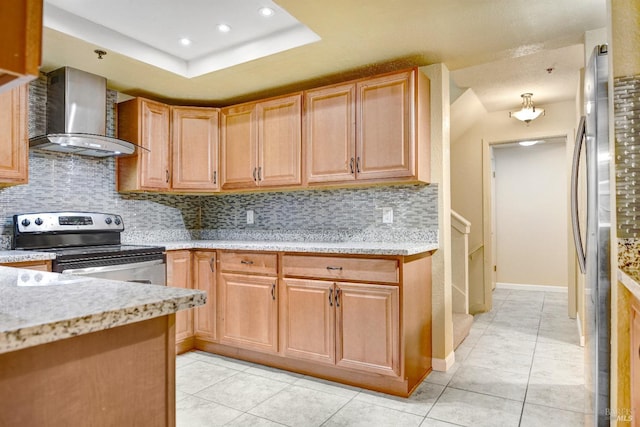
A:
(115, 377)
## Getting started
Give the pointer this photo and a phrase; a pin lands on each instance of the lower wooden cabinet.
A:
(368, 332)
(308, 320)
(204, 274)
(30, 265)
(179, 276)
(355, 326)
(248, 312)
(635, 362)
(323, 315)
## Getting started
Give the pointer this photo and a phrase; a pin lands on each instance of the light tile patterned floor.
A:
(521, 365)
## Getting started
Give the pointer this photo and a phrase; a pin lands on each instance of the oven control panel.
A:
(67, 221)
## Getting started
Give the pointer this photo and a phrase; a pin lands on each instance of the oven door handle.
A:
(106, 268)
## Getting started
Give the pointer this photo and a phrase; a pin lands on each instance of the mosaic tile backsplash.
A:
(70, 182)
(627, 134)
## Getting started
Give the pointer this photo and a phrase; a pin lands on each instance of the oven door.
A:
(153, 272)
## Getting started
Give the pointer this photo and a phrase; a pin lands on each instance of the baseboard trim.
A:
(526, 287)
(443, 365)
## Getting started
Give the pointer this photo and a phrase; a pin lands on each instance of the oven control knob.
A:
(107, 220)
(26, 222)
(117, 220)
(39, 221)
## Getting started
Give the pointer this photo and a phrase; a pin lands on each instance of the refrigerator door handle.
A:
(575, 220)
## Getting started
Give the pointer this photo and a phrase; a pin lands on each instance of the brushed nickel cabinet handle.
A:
(246, 262)
(331, 297)
(334, 268)
(273, 291)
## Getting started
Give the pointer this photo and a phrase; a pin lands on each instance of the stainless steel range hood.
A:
(76, 116)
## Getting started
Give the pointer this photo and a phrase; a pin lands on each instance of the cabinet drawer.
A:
(249, 262)
(341, 268)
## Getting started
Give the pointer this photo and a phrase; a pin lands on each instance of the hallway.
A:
(521, 365)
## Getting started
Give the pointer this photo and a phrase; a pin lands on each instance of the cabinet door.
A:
(204, 266)
(238, 148)
(179, 276)
(368, 332)
(195, 148)
(279, 141)
(248, 312)
(385, 142)
(155, 138)
(21, 33)
(307, 320)
(14, 153)
(635, 363)
(330, 133)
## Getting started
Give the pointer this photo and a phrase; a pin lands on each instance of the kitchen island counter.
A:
(39, 307)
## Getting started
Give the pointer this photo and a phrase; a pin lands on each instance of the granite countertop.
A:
(8, 256)
(349, 248)
(630, 278)
(38, 307)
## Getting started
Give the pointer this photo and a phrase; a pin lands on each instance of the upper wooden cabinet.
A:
(14, 143)
(261, 144)
(145, 123)
(21, 35)
(194, 145)
(181, 147)
(330, 133)
(373, 129)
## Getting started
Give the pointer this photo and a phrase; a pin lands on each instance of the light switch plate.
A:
(387, 215)
(249, 217)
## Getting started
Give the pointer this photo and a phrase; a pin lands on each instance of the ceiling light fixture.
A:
(224, 28)
(266, 11)
(529, 143)
(528, 111)
(185, 41)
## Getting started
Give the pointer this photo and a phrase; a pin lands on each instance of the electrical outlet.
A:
(249, 217)
(387, 215)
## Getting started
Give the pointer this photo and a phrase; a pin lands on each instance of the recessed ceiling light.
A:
(224, 28)
(185, 41)
(266, 11)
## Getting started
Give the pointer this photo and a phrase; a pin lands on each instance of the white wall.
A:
(531, 214)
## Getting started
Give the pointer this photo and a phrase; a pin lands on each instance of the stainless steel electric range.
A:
(89, 244)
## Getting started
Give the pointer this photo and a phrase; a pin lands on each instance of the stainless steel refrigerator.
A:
(594, 254)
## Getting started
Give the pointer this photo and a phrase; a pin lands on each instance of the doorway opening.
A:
(527, 233)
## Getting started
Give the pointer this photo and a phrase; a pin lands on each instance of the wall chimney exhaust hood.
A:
(76, 116)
